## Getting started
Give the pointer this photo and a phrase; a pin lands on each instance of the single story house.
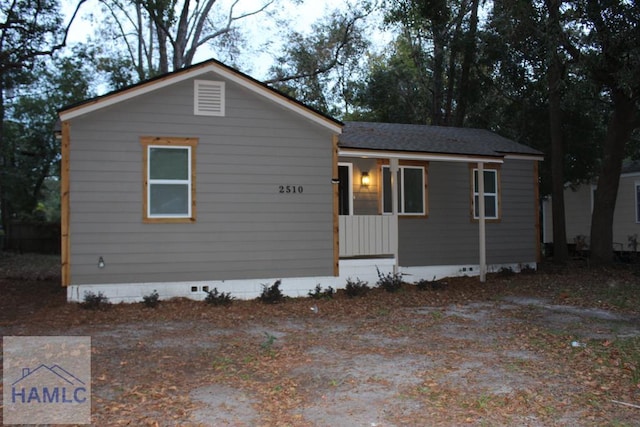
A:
(206, 178)
(578, 204)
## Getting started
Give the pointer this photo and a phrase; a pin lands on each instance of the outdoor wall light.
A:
(365, 180)
(100, 262)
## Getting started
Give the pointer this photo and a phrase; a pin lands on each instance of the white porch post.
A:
(481, 224)
(393, 170)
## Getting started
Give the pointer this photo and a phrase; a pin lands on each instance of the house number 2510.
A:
(286, 189)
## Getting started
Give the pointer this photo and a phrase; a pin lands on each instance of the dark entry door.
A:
(344, 186)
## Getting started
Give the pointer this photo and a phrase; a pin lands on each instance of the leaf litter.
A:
(497, 353)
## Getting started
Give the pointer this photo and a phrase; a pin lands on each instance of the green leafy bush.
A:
(92, 301)
(218, 298)
(152, 300)
(271, 294)
(357, 288)
(390, 282)
(319, 293)
(425, 285)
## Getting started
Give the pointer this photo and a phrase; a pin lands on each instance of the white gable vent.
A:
(209, 98)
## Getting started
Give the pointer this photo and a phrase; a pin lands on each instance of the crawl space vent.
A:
(209, 98)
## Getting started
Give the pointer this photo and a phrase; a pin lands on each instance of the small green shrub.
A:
(506, 272)
(152, 300)
(425, 285)
(271, 294)
(318, 293)
(268, 342)
(390, 282)
(92, 301)
(357, 288)
(526, 269)
(218, 298)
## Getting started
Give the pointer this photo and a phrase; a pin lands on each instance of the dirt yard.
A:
(554, 348)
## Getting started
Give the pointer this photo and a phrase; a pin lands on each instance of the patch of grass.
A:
(483, 401)
(334, 382)
(221, 363)
(437, 315)
(92, 301)
(624, 353)
(268, 342)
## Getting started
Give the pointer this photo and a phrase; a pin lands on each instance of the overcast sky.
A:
(260, 29)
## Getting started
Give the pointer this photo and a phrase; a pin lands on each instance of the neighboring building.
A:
(206, 178)
(578, 204)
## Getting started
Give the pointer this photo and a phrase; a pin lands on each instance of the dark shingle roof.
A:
(429, 139)
(630, 166)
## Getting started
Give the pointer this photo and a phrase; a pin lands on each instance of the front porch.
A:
(368, 236)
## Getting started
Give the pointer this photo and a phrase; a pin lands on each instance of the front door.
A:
(344, 189)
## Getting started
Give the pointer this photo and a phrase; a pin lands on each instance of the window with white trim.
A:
(169, 179)
(411, 190)
(491, 194)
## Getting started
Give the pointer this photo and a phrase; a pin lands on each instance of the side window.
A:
(412, 198)
(169, 179)
(491, 194)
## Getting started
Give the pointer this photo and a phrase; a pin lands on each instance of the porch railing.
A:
(368, 235)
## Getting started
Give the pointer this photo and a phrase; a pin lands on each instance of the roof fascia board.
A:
(380, 154)
(127, 94)
(630, 175)
(523, 157)
(115, 98)
(280, 100)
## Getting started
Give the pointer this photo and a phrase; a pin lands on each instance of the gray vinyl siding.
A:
(578, 203)
(625, 224)
(449, 237)
(244, 228)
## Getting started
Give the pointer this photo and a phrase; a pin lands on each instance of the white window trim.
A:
(187, 181)
(213, 106)
(401, 169)
(148, 142)
(486, 193)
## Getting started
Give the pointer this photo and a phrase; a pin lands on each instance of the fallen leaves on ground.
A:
(146, 362)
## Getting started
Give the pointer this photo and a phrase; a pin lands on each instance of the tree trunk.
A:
(436, 86)
(469, 54)
(554, 78)
(4, 203)
(619, 129)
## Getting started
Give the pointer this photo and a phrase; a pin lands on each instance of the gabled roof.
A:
(196, 70)
(430, 139)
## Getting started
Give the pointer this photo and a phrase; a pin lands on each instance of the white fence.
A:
(364, 235)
